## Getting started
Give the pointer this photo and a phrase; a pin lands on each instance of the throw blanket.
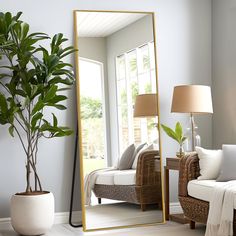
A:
(90, 181)
(221, 210)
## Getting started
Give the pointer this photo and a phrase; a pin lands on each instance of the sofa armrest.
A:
(189, 170)
(148, 168)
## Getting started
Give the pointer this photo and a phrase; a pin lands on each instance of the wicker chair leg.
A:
(143, 207)
(99, 200)
(192, 224)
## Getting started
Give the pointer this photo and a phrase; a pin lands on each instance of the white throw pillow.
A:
(152, 146)
(228, 170)
(134, 166)
(209, 162)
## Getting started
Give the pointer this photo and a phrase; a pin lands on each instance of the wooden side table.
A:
(172, 163)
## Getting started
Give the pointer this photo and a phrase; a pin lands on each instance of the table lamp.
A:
(192, 99)
(146, 105)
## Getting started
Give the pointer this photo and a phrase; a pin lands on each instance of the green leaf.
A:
(8, 18)
(11, 130)
(178, 131)
(24, 29)
(58, 106)
(39, 106)
(17, 16)
(51, 93)
(35, 119)
(3, 104)
(26, 102)
(64, 133)
(20, 92)
(171, 133)
(54, 120)
(57, 99)
(183, 139)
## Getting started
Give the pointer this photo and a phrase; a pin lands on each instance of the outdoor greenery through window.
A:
(135, 75)
(92, 115)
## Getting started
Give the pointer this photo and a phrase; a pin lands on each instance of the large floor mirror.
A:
(121, 179)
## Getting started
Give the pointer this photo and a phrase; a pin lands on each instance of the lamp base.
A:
(193, 138)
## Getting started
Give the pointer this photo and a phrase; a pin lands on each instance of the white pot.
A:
(32, 214)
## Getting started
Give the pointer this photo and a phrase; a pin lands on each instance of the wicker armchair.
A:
(194, 209)
(147, 189)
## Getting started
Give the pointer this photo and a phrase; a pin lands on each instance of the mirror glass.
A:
(118, 119)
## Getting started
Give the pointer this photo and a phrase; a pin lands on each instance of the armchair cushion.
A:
(125, 177)
(202, 189)
(117, 177)
(106, 177)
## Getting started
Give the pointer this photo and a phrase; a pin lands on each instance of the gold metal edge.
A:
(116, 11)
(158, 111)
(125, 227)
(79, 118)
(76, 37)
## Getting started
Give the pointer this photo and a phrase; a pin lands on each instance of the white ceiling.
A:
(103, 24)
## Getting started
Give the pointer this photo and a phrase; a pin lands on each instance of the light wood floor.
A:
(169, 229)
(120, 214)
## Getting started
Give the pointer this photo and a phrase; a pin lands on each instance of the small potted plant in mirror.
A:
(177, 135)
(32, 80)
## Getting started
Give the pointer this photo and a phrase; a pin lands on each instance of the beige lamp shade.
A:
(146, 105)
(192, 99)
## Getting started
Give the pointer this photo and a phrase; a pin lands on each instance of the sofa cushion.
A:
(209, 162)
(125, 177)
(127, 158)
(228, 170)
(116, 177)
(106, 177)
(202, 189)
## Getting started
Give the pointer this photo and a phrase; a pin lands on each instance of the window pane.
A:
(121, 67)
(152, 55)
(92, 117)
(153, 81)
(145, 59)
(121, 92)
(132, 64)
(139, 78)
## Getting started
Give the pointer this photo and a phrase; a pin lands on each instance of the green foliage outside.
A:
(90, 107)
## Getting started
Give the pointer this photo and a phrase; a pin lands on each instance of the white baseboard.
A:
(63, 217)
(60, 218)
(175, 208)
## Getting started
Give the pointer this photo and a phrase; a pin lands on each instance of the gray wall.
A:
(183, 30)
(128, 38)
(224, 72)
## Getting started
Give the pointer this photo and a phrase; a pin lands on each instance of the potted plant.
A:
(32, 79)
(177, 135)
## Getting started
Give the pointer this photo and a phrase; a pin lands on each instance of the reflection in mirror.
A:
(118, 110)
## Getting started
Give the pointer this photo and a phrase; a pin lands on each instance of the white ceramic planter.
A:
(32, 214)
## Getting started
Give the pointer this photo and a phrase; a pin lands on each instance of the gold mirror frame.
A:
(76, 36)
